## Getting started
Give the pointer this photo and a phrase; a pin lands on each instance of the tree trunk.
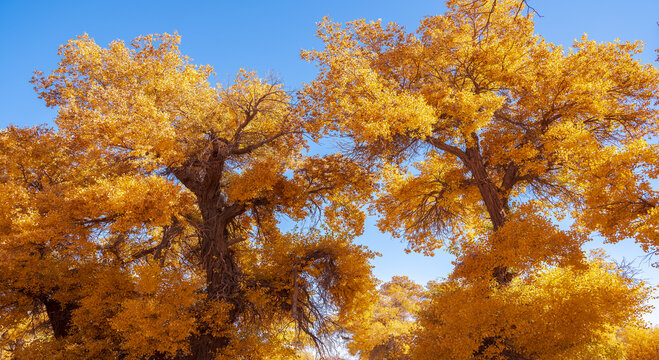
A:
(59, 316)
(223, 274)
(222, 284)
(489, 192)
(496, 208)
(495, 205)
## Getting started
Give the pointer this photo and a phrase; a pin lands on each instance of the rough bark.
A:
(494, 200)
(489, 192)
(496, 205)
(59, 316)
(223, 274)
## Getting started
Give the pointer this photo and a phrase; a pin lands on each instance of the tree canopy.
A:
(166, 218)
(484, 135)
(147, 224)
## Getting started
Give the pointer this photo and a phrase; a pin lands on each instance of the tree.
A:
(550, 313)
(484, 135)
(146, 226)
(641, 343)
(387, 331)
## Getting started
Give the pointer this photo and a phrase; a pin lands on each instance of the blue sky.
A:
(267, 36)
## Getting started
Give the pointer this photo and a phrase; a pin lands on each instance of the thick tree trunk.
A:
(496, 207)
(223, 284)
(494, 203)
(223, 274)
(59, 316)
(222, 271)
(489, 192)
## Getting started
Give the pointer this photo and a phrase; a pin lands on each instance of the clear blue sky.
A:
(267, 36)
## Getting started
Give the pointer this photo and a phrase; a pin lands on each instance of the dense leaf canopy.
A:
(166, 218)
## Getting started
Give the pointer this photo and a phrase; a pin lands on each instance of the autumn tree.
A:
(146, 225)
(640, 343)
(485, 135)
(386, 331)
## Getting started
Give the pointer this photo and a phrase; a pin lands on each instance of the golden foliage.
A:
(484, 136)
(149, 223)
(387, 330)
(552, 313)
(641, 343)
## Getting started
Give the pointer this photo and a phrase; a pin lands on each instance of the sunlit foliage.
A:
(163, 217)
(484, 135)
(146, 225)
